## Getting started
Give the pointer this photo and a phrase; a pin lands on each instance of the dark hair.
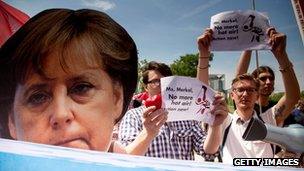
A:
(94, 33)
(262, 69)
(246, 76)
(160, 67)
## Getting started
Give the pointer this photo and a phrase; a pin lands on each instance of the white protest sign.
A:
(187, 98)
(239, 30)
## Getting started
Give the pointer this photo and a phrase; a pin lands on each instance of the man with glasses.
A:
(175, 140)
(245, 91)
(266, 77)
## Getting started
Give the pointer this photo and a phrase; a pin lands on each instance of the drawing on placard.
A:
(202, 101)
(249, 26)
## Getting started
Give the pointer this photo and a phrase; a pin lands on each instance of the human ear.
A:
(118, 100)
(12, 126)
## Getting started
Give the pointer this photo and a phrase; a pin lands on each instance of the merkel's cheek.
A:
(98, 124)
(32, 130)
(100, 132)
(103, 140)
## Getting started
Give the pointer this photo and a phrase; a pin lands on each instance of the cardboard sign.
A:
(239, 30)
(187, 98)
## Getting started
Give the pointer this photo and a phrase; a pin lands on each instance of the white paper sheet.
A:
(187, 98)
(239, 30)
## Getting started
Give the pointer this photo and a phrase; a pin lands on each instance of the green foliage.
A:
(141, 64)
(230, 105)
(186, 65)
(275, 97)
(140, 87)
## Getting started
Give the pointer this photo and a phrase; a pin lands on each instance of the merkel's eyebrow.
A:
(35, 87)
(85, 76)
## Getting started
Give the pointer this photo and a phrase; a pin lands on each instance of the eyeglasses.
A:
(264, 78)
(241, 91)
(154, 82)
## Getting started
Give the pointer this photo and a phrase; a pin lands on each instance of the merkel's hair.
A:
(160, 67)
(246, 76)
(99, 37)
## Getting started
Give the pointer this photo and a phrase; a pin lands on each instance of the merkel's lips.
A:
(74, 143)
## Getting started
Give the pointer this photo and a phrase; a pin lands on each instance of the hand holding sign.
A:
(277, 41)
(153, 120)
(239, 30)
(220, 110)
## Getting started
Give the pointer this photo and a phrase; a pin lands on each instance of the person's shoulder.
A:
(228, 120)
(230, 116)
(135, 111)
(139, 109)
(268, 116)
(269, 111)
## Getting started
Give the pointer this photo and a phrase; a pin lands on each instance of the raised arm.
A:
(243, 64)
(292, 91)
(214, 134)
(203, 43)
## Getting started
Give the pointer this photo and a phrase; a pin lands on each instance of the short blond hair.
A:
(246, 76)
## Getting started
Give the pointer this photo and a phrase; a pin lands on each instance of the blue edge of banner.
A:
(18, 155)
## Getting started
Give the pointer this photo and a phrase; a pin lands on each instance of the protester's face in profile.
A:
(244, 94)
(153, 85)
(75, 108)
(266, 83)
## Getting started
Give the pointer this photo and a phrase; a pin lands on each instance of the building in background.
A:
(217, 82)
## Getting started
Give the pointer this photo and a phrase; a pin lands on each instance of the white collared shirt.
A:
(236, 147)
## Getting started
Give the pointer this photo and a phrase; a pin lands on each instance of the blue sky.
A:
(166, 29)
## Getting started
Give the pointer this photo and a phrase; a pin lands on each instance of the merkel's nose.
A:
(61, 115)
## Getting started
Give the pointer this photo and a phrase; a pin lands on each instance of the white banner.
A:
(19, 156)
(239, 30)
(187, 98)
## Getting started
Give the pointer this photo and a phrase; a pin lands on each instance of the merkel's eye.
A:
(80, 88)
(38, 98)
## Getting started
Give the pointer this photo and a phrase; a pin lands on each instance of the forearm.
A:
(140, 145)
(203, 43)
(291, 85)
(243, 63)
(292, 89)
(203, 68)
(213, 139)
